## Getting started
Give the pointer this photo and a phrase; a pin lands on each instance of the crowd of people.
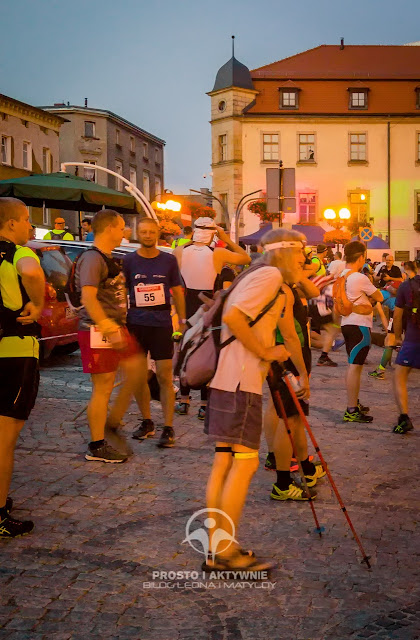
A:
(282, 301)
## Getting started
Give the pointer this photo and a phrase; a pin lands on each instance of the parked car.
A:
(58, 321)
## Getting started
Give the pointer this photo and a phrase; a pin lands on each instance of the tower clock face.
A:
(222, 105)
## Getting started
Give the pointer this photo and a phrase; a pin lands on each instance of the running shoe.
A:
(379, 374)
(146, 430)
(167, 439)
(106, 453)
(182, 408)
(319, 473)
(356, 416)
(270, 462)
(337, 345)
(116, 438)
(294, 492)
(202, 413)
(404, 425)
(10, 528)
(362, 408)
(294, 466)
(325, 361)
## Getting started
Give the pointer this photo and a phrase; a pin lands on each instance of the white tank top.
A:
(197, 267)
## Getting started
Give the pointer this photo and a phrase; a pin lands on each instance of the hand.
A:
(30, 313)
(278, 353)
(117, 340)
(304, 392)
(386, 278)
(182, 327)
(222, 234)
(398, 342)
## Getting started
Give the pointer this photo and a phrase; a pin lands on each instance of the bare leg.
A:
(135, 377)
(400, 387)
(142, 391)
(270, 421)
(221, 466)
(167, 393)
(330, 334)
(283, 447)
(353, 384)
(102, 384)
(9, 432)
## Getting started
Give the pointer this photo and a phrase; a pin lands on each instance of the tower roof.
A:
(233, 74)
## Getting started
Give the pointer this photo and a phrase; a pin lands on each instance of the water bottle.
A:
(294, 382)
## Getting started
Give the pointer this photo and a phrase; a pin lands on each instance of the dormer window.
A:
(358, 98)
(289, 98)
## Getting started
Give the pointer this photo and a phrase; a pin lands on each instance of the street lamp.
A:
(334, 220)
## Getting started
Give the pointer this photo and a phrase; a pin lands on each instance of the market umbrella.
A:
(66, 191)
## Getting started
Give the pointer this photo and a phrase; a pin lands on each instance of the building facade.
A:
(347, 118)
(100, 137)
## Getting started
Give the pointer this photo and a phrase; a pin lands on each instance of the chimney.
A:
(86, 98)
(342, 44)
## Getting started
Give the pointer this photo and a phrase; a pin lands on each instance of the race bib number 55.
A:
(149, 295)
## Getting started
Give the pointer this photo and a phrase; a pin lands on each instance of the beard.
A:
(148, 244)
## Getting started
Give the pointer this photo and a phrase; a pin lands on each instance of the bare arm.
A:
(377, 296)
(178, 255)
(237, 322)
(33, 280)
(308, 288)
(397, 325)
(179, 301)
(237, 255)
(107, 326)
(286, 324)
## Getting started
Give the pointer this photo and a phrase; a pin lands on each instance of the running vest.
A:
(58, 234)
(197, 267)
(13, 296)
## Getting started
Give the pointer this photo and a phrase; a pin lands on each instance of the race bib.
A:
(149, 295)
(98, 340)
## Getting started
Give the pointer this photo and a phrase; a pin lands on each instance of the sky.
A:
(153, 62)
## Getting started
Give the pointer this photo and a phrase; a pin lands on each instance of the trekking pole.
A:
(278, 404)
(325, 465)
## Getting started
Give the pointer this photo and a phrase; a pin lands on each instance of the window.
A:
(359, 205)
(358, 99)
(418, 147)
(46, 160)
(222, 148)
(307, 208)
(119, 170)
(117, 136)
(306, 147)
(146, 184)
(158, 187)
(358, 147)
(157, 155)
(145, 150)
(27, 156)
(417, 212)
(6, 150)
(289, 98)
(270, 147)
(90, 174)
(133, 176)
(89, 129)
(132, 144)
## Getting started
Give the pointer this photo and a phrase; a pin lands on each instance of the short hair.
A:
(339, 255)
(353, 251)
(187, 229)
(88, 220)
(147, 219)
(253, 248)
(384, 255)
(9, 208)
(411, 265)
(103, 219)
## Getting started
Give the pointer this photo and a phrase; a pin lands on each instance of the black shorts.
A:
(19, 382)
(358, 341)
(193, 302)
(154, 340)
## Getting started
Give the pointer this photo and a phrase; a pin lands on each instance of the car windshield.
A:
(56, 266)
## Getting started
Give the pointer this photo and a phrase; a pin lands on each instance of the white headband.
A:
(283, 245)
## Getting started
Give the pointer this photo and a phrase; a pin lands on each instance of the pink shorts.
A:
(104, 360)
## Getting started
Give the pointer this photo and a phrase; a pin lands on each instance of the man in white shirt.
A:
(356, 327)
(234, 415)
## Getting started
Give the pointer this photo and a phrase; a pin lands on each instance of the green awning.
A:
(66, 191)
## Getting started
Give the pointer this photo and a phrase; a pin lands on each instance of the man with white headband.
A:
(234, 414)
(200, 265)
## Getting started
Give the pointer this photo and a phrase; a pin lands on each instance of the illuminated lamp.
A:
(344, 214)
(329, 214)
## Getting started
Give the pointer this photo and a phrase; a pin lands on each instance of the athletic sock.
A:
(403, 416)
(96, 444)
(352, 409)
(283, 480)
(308, 467)
(3, 513)
(386, 357)
(324, 354)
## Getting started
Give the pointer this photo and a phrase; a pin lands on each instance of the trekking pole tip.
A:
(319, 530)
(366, 560)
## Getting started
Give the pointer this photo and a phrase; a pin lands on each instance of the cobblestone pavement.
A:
(102, 529)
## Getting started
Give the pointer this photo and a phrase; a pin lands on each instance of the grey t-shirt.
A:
(92, 270)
